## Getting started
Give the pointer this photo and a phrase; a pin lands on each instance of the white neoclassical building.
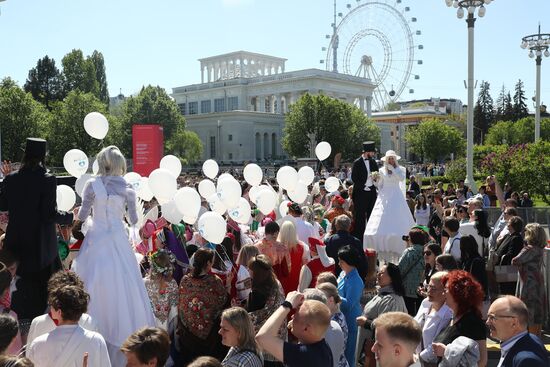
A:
(238, 108)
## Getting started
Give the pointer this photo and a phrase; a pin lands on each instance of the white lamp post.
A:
(537, 45)
(470, 6)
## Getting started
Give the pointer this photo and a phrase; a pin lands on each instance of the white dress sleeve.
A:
(88, 197)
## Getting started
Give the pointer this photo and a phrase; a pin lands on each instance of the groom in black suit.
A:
(364, 191)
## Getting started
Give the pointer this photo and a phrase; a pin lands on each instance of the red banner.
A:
(148, 147)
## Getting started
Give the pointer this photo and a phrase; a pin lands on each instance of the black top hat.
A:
(35, 148)
(368, 146)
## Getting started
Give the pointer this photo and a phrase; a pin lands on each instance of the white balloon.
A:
(266, 201)
(212, 227)
(75, 162)
(134, 179)
(95, 167)
(283, 208)
(188, 201)
(210, 168)
(253, 174)
(189, 220)
(66, 198)
(96, 125)
(229, 191)
(81, 182)
(207, 188)
(287, 177)
(322, 150)
(216, 204)
(332, 184)
(172, 164)
(145, 192)
(299, 194)
(171, 213)
(225, 176)
(241, 213)
(306, 175)
(163, 185)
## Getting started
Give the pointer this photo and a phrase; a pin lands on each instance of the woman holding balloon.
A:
(106, 262)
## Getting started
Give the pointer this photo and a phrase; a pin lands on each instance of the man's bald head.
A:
(516, 307)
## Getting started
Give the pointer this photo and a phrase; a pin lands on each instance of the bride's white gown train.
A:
(106, 263)
(391, 217)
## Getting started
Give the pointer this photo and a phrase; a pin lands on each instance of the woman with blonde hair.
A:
(530, 287)
(298, 253)
(238, 334)
(106, 263)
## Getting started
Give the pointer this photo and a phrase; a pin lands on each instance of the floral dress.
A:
(164, 301)
(530, 288)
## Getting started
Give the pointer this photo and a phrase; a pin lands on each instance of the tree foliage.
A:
(504, 110)
(483, 111)
(342, 125)
(80, 73)
(20, 117)
(186, 145)
(519, 105)
(434, 140)
(66, 130)
(45, 82)
(525, 166)
(151, 106)
(521, 131)
(100, 76)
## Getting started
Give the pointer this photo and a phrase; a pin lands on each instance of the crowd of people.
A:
(373, 273)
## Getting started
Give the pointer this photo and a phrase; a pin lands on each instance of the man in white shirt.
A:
(303, 229)
(451, 225)
(67, 344)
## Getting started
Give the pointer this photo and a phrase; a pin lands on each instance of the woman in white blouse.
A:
(433, 316)
(421, 210)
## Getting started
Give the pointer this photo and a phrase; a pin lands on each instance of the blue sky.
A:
(159, 42)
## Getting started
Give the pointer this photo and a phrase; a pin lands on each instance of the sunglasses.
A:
(428, 253)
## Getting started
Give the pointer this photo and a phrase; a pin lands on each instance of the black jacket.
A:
(359, 174)
(509, 248)
(29, 196)
(340, 239)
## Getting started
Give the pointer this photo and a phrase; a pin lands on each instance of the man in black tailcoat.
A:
(29, 196)
(364, 191)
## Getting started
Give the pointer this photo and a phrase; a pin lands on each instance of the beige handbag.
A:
(506, 273)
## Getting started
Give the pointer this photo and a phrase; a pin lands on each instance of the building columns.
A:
(369, 106)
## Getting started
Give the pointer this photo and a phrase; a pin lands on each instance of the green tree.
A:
(508, 114)
(79, 73)
(342, 125)
(500, 133)
(518, 132)
(500, 104)
(483, 111)
(67, 128)
(433, 140)
(45, 82)
(519, 106)
(151, 106)
(186, 145)
(20, 117)
(392, 106)
(100, 76)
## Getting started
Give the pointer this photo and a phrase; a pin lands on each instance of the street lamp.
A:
(537, 45)
(470, 6)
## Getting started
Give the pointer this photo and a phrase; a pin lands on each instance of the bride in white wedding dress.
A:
(391, 217)
(106, 262)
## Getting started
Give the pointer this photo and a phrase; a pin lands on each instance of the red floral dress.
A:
(202, 300)
(290, 282)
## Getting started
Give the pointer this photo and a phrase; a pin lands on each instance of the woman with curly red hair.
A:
(464, 295)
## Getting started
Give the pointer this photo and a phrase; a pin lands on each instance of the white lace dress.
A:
(391, 217)
(107, 265)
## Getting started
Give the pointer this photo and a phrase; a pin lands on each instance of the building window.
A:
(230, 137)
(206, 106)
(182, 107)
(232, 103)
(219, 105)
(230, 155)
(193, 108)
(212, 147)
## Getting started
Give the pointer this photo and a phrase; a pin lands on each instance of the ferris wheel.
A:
(373, 39)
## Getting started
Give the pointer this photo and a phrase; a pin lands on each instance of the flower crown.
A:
(162, 270)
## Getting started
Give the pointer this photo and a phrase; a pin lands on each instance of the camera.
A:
(405, 238)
